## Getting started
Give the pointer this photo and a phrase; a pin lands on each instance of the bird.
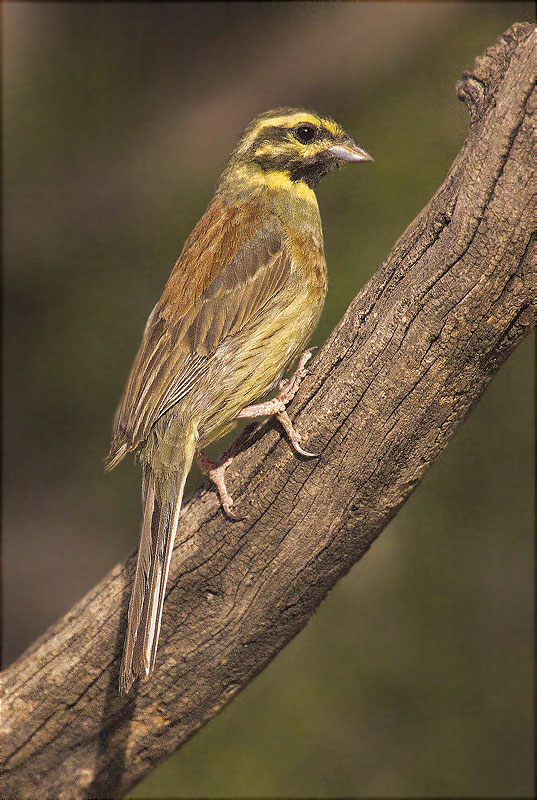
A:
(240, 304)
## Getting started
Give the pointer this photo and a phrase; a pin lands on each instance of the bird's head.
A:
(303, 145)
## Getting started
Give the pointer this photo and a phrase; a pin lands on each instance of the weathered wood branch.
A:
(397, 377)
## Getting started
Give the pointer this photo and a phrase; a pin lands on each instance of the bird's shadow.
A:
(256, 431)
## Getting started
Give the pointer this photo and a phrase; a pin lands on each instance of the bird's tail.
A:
(162, 497)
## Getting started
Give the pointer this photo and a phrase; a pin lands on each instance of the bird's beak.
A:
(350, 151)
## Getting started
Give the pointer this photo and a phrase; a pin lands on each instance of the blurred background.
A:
(415, 676)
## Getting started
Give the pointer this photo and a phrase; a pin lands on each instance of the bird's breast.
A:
(246, 365)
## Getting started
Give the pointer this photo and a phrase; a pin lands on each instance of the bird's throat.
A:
(244, 181)
(280, 182)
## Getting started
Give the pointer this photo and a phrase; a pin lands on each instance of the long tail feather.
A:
(162, 506)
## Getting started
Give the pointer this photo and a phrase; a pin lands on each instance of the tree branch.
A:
(397, 377)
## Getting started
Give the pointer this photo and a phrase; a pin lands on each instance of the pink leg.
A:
(215, 471)
(276, 406)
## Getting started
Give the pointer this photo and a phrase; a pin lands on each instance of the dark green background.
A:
(415, 676)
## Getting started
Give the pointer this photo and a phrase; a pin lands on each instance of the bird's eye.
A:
(305, 133)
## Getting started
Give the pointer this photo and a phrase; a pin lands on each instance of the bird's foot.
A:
(215, 471)
(277, 406)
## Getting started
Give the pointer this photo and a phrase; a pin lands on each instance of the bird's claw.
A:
(303, 452)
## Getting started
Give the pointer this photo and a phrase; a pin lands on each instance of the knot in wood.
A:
(479, 87)
(472, 92)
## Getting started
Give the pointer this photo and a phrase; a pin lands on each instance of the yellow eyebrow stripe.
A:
(288, 119)
(333, 127)
(285, 119)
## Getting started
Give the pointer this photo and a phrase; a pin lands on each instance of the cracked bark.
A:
(411, 357)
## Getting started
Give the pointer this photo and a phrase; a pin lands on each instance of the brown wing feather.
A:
(229, 269)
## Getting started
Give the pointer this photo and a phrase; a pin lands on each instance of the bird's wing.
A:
(230, 267)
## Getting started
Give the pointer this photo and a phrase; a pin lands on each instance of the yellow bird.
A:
(238, 308)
